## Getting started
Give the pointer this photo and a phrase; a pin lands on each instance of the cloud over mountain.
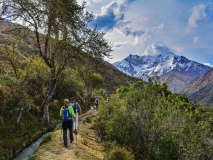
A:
(184, 27)
(156, 49)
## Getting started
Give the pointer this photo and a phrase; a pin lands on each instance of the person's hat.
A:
(66, 100)
(73, 98)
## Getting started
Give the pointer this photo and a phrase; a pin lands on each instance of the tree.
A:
(61, 32)
(91, 80)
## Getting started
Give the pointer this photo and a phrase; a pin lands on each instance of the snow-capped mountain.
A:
(162, 65)
(135, 65)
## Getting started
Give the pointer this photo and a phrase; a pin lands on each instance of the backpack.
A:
(75, 107)
(66, 114)
(96, 101)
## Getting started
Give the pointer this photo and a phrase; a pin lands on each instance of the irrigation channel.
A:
(28, 152)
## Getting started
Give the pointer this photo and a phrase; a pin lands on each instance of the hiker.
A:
(96, 103)
(67, 112)
(78, 111)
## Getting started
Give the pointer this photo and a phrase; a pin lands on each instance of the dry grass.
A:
(87, 147)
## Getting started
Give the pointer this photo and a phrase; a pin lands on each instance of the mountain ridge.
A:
(201, 88)
(161, 65)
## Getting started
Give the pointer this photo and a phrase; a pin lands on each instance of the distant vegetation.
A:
(149, 122)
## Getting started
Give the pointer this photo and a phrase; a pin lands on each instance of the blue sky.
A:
(146, 27)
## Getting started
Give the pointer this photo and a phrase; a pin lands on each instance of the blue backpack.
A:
(96, 101)
(75, 107)
(66, 114)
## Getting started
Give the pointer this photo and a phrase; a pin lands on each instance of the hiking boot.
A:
(75, 131)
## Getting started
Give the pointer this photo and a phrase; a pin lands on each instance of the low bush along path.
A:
(87, 146)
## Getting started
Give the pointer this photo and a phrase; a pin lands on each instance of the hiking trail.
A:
(87, 146)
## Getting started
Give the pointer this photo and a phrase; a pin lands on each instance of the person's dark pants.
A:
(96, 106)
(67, 125)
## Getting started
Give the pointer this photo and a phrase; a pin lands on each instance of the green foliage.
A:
(70, 85)
(155, 123)
(166, 149)
(46, 139)
(87, 120)
(15, 93)
(121, 153)
(33, 64)
(37, 79)
(33, 158)
(91, 80)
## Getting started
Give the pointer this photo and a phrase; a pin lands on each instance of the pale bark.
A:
(19, 115)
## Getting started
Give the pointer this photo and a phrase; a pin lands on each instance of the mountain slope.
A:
(164, 65)
(176, 81)
(113, 78)
(33, 91)
(201, 88)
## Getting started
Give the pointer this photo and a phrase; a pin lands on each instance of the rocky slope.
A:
(176, 81)
(201, 89)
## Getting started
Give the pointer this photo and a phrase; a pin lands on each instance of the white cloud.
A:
(111, 15)
(198, 13)
(208, 64)
(178, 49)
(196, 40)
(136, 41)
(160, 27)
(156, 49)
(147, 26)
(120, 44)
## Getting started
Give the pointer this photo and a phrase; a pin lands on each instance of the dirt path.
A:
(87, 147)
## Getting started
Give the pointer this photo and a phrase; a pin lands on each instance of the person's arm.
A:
(61, 112)
(71, 111)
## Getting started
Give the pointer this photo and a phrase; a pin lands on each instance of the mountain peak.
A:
(161, 63)
(164, 64)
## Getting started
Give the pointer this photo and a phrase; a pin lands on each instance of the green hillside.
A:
(24, 83)
(146, 121)
(60, 57)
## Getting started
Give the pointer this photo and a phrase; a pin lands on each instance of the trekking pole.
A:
(76, 129)
(61, 131)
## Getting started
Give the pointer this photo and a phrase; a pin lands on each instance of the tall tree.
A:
(61, 32)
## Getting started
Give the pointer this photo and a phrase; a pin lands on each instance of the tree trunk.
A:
(46, 114)
(20, 115)
(45, 105)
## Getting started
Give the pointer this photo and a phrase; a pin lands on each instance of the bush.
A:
(155, 123)
(166, 149)
(87, 120)
(47, 139)
(118, 153)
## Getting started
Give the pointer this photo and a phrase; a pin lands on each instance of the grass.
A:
(86, 148)
(47, 139)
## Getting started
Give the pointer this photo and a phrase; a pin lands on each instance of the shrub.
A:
(155, 123)
(119, 153)
(47, 139)
(166, 149)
